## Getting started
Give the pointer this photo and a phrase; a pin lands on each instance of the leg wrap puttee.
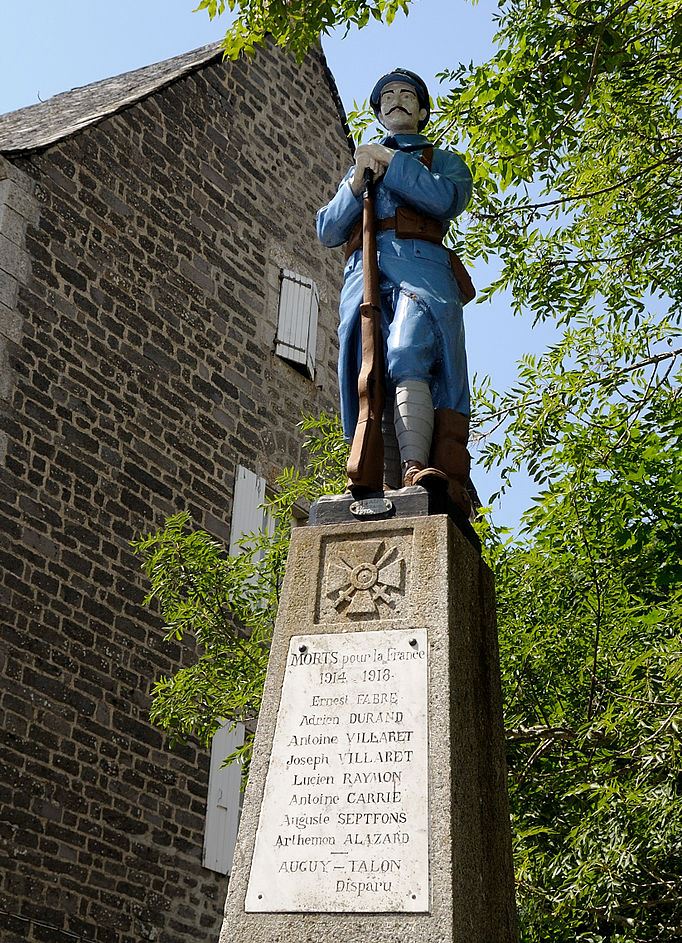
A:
(414, 421)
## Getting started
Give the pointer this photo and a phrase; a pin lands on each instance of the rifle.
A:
(366, 462)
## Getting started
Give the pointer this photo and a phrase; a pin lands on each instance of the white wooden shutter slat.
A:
(287, 305)
(222, 806)
(289, 314)
(312, 330)
(295, 312)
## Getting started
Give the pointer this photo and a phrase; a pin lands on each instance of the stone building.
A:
(166, 314)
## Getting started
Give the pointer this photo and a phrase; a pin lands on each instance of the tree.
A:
(224, 607)
(590, 613)
(296, 24)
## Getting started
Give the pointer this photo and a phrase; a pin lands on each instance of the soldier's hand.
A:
(374, 157)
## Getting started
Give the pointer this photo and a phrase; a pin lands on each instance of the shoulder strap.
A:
(427, 156)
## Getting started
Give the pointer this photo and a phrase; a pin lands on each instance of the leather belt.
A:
(411, 224)
(418, 227)
(407, 223)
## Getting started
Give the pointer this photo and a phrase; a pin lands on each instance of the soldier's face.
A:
(400, 111)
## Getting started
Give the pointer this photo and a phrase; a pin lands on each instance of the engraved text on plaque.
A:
(343, 825)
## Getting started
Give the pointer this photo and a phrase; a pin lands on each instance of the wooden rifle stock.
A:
(366, 462)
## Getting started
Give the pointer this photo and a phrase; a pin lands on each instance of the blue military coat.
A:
(421, 306)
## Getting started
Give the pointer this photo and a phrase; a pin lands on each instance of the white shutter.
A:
(222, 806)
(299, 305)
(247, 511)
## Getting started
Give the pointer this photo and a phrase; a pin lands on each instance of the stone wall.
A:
(136, 346)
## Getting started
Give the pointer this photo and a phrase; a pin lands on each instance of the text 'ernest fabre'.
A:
(344, 822)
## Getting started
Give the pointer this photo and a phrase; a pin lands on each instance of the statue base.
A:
(376, 808)
(413, 501)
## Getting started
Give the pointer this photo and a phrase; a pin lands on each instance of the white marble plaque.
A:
(343, 826)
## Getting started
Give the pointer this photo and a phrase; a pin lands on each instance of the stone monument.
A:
(376, 810)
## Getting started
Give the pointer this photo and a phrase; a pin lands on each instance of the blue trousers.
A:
(422, 325)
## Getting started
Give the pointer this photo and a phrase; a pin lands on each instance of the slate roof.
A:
(37, 126)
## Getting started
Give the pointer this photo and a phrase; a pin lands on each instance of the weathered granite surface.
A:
(449, 591)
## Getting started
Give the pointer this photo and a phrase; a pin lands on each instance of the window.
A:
(299, 305)
(222, 806)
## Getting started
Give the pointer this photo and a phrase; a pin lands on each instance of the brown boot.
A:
(415, 474)
(449, 454)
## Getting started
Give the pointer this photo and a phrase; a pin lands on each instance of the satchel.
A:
(462, 277)
(411, 224)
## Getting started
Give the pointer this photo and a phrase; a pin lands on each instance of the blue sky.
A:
(47, 47)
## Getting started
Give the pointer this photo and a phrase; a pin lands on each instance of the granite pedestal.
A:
(376, 810)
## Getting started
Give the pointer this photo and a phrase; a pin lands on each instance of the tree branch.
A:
(508, 410)
(676, 230)
(538, 732)
(532, 207)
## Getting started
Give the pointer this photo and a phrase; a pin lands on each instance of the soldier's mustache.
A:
(398, 108)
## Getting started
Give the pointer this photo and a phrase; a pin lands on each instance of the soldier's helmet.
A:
(409, 78)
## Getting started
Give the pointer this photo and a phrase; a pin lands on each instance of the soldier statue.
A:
(419, 189)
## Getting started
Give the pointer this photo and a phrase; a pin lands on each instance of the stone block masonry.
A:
(18, 209)
(136, 264)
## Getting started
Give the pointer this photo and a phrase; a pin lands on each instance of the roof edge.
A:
(149, 84)
(334, 89)
(205, 55)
